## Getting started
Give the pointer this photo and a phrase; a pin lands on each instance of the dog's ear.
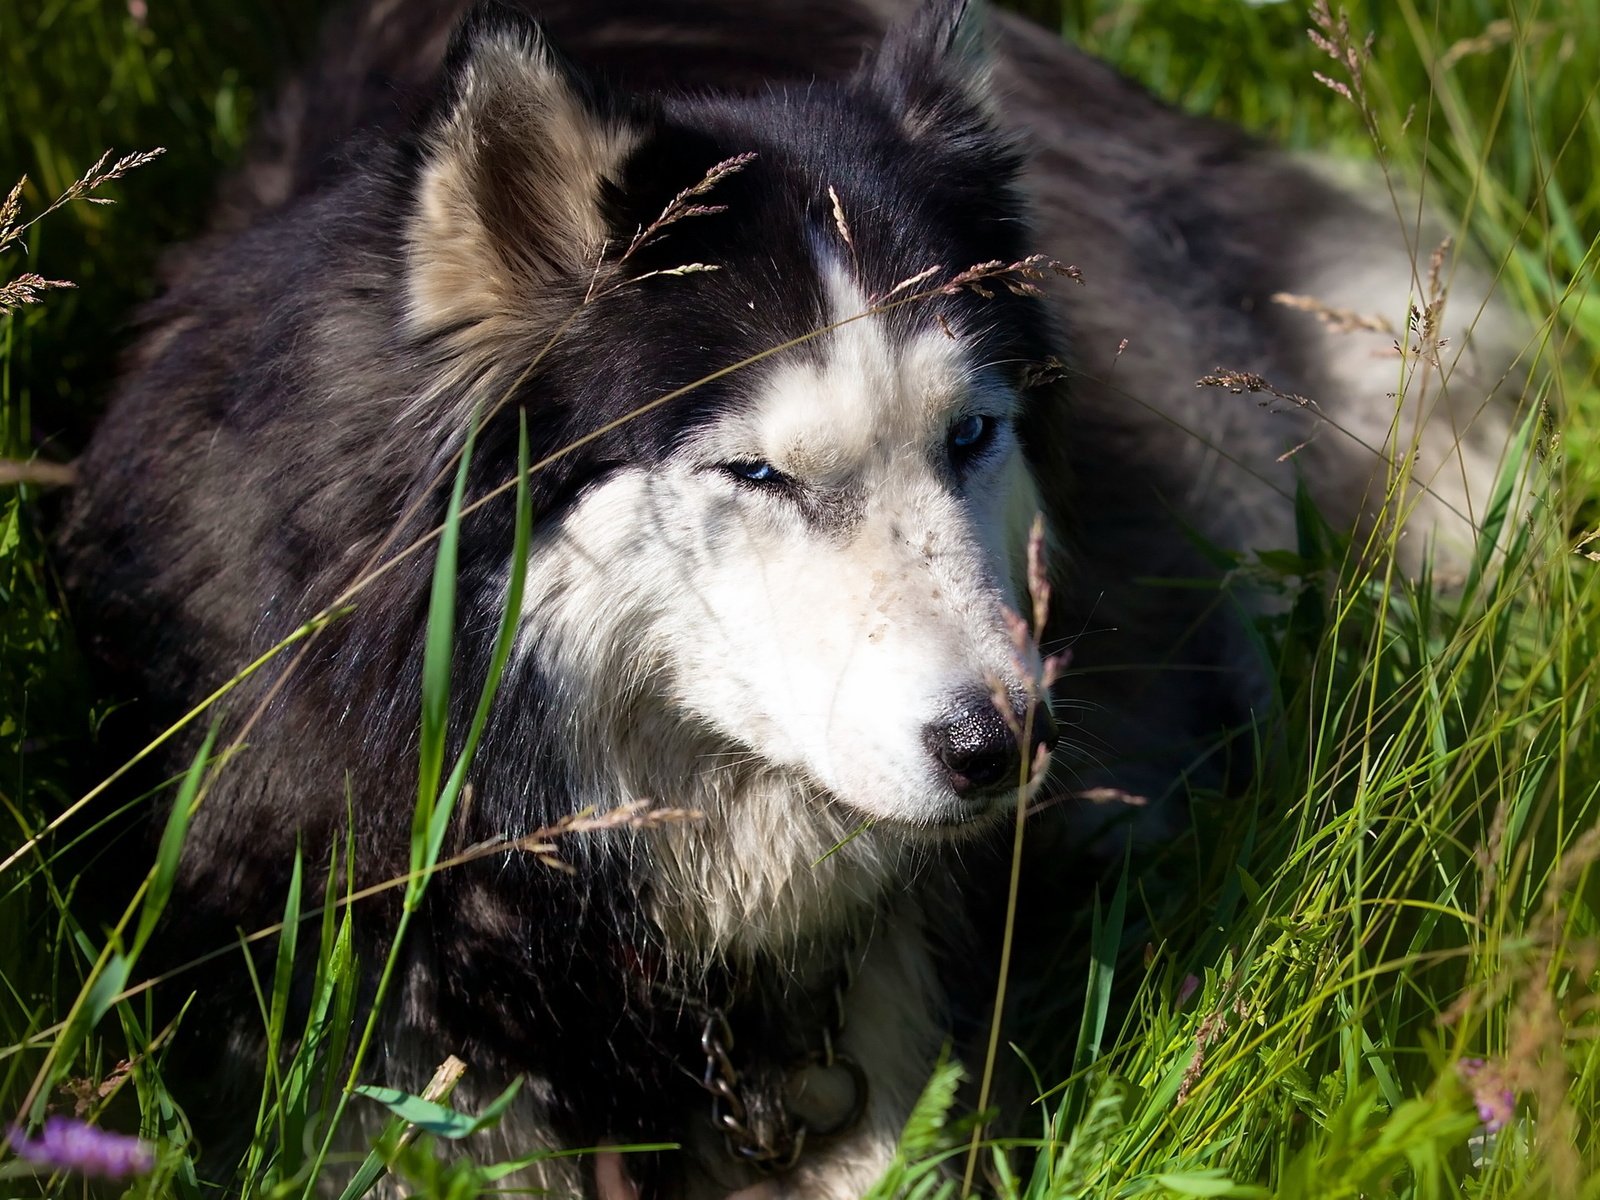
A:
(511, 172)
(934, 70)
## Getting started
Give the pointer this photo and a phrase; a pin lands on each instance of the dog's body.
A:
(776, 599)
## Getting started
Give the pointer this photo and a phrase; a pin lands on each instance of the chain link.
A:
(772, 1150)
(778, 1148)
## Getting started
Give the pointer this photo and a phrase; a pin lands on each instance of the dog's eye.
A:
(968, 436)
(756, 471)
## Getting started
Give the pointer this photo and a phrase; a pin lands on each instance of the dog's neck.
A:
(769, 872)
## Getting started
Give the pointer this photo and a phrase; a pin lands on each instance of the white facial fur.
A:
(834, 642)
(779, 659)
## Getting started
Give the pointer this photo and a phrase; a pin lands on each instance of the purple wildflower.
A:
(1495, 1107)
(69, 1145)
(1496, 1103)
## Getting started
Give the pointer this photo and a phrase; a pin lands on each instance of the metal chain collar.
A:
(774, 1146)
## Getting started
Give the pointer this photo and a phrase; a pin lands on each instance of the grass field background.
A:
(1375, 976)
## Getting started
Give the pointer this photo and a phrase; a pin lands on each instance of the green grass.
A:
(1279, 1005)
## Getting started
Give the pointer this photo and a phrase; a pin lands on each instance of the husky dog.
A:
(761, 279)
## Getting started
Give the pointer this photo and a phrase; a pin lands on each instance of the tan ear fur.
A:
(508, 196)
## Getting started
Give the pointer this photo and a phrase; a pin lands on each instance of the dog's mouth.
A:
(962, 827)
(952, 816)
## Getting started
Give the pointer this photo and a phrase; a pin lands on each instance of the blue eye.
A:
(755, 472)
(967, 434)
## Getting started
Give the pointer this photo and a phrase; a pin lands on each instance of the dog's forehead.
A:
(869, 386)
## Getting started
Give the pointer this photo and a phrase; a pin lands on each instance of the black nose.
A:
(980, 751)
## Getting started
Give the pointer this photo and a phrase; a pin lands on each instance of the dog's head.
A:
(798, 510)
